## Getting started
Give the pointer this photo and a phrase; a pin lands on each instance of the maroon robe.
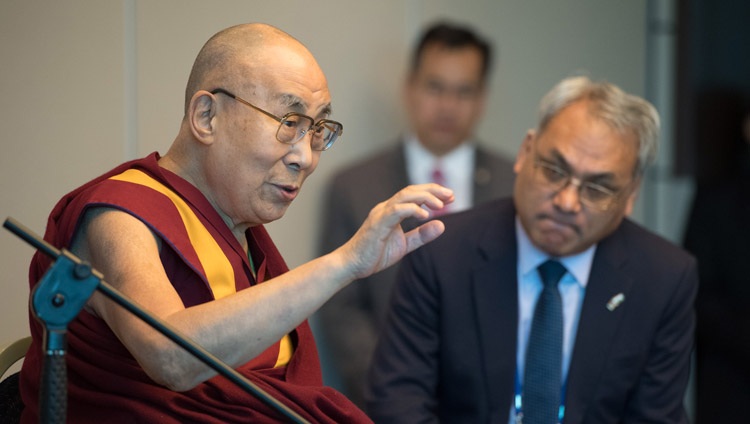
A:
(106, 384)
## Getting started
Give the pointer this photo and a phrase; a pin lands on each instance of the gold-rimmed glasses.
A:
(294, 126)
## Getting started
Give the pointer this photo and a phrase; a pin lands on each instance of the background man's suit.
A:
(348, 325)
(458, 297)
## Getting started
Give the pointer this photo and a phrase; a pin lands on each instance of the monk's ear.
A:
(201, 115)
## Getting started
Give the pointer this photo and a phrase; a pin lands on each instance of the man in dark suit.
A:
(444, 95)
(476, 333)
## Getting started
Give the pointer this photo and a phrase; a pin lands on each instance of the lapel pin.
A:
(615, 301)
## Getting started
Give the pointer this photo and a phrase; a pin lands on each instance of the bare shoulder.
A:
(126, 252)
(110, 229)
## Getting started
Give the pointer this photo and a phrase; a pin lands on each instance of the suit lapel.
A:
(482, 178)
(603, 307)
(495, 295)
(398, 174)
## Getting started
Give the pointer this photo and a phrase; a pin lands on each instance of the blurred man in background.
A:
(444, 95)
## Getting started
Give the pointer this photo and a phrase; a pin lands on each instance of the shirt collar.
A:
(422, 161)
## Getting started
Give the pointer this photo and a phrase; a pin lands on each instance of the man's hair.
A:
(621, 111)
(453, 36)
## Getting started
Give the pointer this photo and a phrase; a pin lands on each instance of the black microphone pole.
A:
(59, 297)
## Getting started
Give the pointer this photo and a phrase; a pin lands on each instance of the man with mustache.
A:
(552, 305)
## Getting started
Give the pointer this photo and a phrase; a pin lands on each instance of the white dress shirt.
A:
(457, 167)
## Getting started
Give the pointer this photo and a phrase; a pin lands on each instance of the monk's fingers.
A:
(423, 234)
(424, 196)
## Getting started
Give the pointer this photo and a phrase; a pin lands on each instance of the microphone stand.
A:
(59, 297)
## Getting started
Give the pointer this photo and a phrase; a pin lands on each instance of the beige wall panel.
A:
(62, 119)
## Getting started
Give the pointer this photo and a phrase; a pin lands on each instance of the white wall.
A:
(86, 84)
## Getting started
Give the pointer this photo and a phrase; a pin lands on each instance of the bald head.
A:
(228, 144)
(228, 56)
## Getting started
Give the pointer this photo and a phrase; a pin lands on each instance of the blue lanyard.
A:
(519, 395)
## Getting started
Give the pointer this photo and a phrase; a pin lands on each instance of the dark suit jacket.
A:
(448, 349)
(347, 326)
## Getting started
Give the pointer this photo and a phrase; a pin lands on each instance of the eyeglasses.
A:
(590, 194)
(294, 126)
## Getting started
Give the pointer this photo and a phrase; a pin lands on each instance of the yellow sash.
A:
(216, 265)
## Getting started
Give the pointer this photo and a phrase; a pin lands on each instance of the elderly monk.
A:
(182, 235)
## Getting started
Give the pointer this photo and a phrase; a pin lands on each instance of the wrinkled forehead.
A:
(293, 82)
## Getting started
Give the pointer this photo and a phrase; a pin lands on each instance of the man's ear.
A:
(632, 197)
(525, 150)
(201, 116)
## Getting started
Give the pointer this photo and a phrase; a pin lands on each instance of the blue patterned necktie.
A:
(543, 370)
